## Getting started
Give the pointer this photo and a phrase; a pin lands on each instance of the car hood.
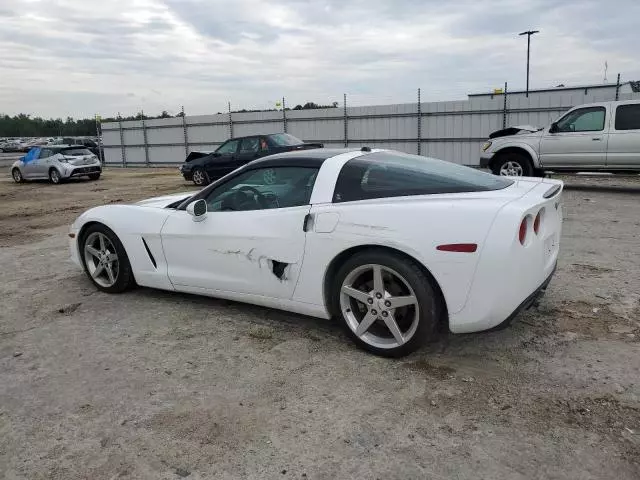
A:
(516, 130)
(164, 200)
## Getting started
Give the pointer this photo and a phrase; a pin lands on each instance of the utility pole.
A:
(528, 33)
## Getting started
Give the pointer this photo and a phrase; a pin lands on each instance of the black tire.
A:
(200, 177)
(16, 174)
(94, 176)
(54, 176)
(428, 297)
(519, 160)
(124, 279)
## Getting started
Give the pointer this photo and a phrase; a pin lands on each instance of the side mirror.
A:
(198, 210)
(554, 128)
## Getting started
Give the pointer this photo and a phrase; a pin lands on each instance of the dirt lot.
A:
(159, 385)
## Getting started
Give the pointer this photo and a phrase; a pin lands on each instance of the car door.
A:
(579, 140)
(224, 160)
(33, 162)
(251, 240)
(249, 150)
(624, 138)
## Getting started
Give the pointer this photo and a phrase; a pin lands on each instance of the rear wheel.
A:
(105, 260)
(16, 174)
(512, 164)
(388, 304)
(54, 176)
(200, 177)
(94, 176)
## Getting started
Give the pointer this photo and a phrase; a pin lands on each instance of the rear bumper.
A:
(528, 302)
(80, 170)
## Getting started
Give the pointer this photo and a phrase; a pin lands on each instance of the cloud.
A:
(79, 57)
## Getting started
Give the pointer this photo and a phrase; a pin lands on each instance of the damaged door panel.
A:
(253, 252)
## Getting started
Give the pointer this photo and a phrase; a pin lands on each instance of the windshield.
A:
(76, 152)
(284, 139)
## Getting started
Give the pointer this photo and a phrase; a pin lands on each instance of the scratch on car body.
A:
(364, 225)
(279, 268)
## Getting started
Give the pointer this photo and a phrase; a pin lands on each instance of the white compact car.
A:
(397, 246)
(56, 163)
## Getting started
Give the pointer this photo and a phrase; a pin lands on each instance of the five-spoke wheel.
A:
(105, 259)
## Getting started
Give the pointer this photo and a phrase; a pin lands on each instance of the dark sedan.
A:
(203, 168)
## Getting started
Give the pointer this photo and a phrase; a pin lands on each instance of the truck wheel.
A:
(512, 164)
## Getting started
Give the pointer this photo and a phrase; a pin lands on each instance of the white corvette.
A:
(398, 246)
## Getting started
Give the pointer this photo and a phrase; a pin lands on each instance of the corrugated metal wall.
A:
(451, 131)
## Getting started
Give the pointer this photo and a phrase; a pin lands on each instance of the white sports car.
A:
(396, 245)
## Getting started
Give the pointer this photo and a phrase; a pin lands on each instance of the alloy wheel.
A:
(511, 169)
(101, 259)
(55, 176)
(379, 306)
(198, 177)
(17, 176)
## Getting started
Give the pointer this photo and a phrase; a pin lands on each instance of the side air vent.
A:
(146, 247)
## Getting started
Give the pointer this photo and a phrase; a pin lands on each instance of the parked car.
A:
(204, 167)
(56, 163)
(89, 143)
(596, 137)
(10, 147)
(395, 245)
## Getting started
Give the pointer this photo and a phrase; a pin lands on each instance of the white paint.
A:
(231, 254)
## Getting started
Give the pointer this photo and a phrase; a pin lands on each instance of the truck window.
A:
(628, 117)
(590, 119)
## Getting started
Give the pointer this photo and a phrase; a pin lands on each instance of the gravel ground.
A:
(159, 385)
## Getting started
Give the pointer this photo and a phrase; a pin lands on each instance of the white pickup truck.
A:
(596, 137)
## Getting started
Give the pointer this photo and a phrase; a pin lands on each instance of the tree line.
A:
(24, 125)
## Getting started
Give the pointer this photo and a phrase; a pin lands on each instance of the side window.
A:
(45, 152)
(394, 174)
(628, 117)
(264, 146)
(250, 145)
(231, 146)
(589, 119)
(264, 188)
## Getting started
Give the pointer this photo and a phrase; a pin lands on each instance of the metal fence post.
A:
(122, 147)
(284, 116)
(504, 107)
(346, 122)
(618, 88)
(184, 128)
(230, 122)
(144, 138)
(419, 124)
(99, 135)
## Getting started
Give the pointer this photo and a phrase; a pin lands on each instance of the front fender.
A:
(134, 225)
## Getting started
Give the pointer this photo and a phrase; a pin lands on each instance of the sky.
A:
(84, 57)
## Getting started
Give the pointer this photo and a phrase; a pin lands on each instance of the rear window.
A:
(387, 174)
(76, 152)
(628, 117)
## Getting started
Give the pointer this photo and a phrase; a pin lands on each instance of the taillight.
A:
(522, 233)
(536, 222)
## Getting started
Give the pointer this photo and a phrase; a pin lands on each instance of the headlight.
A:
(63, 160)
(486, 146)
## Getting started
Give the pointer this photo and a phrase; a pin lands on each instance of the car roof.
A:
(300, 158)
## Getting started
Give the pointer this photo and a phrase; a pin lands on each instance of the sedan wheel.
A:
(387, 303)
(199, 177)
(105, 260)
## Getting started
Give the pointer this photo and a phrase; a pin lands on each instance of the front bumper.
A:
(485, 160)
(187, 173)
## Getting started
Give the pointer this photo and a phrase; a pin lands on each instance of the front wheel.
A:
(16, 174)
(388, 304)
(94, 176)
(105, 260)
(200, 177)
(512, 164)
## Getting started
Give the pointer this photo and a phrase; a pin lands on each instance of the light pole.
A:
(528, 33)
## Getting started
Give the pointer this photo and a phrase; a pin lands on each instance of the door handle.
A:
(596, 139)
